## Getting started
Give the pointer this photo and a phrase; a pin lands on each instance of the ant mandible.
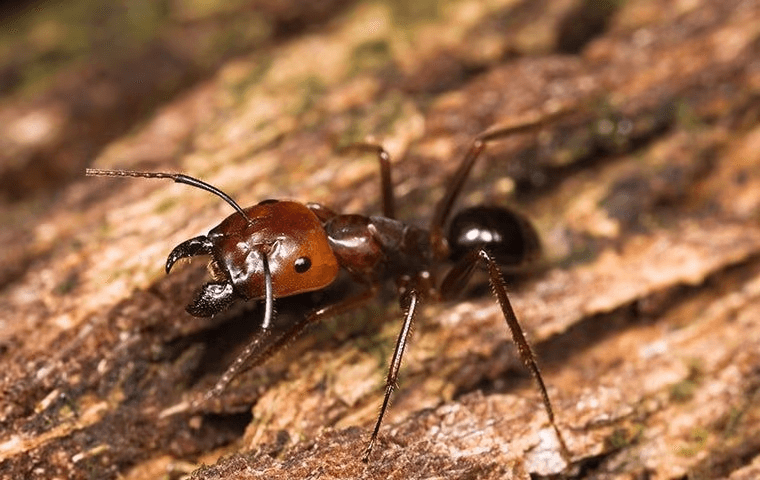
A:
(280, 248)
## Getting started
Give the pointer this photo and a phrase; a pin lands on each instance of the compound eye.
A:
(302, 264)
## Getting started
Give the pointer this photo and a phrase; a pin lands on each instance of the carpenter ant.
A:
(280, 248)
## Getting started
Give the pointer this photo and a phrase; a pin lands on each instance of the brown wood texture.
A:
(644, 185)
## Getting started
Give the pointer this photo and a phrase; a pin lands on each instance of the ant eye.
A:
(302, 264)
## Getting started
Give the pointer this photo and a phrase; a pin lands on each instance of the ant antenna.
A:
(177, 177)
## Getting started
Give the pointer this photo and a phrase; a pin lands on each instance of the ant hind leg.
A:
(523, 347)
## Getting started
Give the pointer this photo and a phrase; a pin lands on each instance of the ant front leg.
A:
(247, 353)
(237, 366)
(258, 351)
(314, 317)
(386, 186)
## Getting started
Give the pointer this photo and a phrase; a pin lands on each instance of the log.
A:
(643, 182)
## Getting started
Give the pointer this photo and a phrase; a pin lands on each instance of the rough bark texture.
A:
(645, 189)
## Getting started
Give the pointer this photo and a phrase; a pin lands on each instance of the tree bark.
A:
(643, 182)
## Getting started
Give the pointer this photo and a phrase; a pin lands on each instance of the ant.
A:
(279, 248)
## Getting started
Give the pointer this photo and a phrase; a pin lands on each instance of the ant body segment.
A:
(280, 248)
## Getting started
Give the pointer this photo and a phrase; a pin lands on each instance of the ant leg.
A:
(455, 184)
(412, 298)
(234, 369)
(258, 351)
(322, 313)
(389, 207)
(266, 328)
(523, 347)
(458, 277)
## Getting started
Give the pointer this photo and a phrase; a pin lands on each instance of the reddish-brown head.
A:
(291, 237)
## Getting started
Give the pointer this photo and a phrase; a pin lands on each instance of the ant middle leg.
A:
(386, 186)
(411, 299)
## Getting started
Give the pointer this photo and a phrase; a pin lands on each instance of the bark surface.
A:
(644, 185)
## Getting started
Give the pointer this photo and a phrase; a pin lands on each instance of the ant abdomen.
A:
(506, 234)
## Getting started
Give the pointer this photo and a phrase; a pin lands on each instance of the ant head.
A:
(291, 238)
